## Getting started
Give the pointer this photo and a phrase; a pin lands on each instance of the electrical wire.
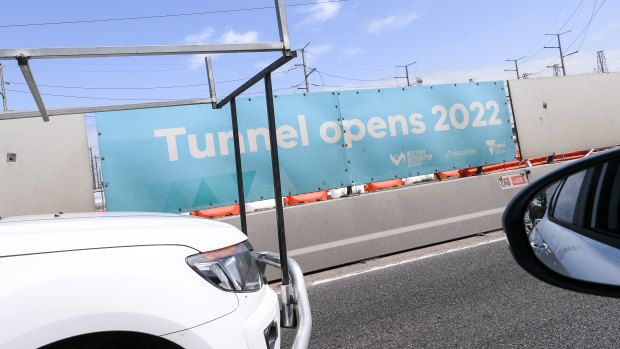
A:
(88, 97)
(584, 31)
(586, 28)
(557, 15)
(353, 79)
(352, 64)
(127, 88)
(559, 30)
(571, 16)
(356, 87)
(145, 88)
(163, 16)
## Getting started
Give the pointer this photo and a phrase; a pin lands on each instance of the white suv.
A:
(132, 280)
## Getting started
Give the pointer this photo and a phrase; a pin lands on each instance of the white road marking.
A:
(344, 276)
(392, 232)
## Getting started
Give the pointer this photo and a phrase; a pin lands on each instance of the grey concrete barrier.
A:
(329, 233)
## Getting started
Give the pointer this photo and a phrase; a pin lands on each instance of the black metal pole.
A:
(235, 130)
(277, 187)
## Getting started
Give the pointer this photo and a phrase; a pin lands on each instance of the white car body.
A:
(75, 274)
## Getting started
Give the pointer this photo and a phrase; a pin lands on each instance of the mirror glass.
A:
(572, 224)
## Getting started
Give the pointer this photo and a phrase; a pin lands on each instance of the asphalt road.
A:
(454, 296)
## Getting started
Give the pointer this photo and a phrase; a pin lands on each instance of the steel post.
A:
(235, 130)
(277, 186)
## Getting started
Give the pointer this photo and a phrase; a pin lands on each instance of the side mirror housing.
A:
(564, 227)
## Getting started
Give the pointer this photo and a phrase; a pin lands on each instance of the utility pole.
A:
(3, 89)
(516, 69)
(556, 69)
(406, 72)
(601, 62)
(306, 74)
(560, 48)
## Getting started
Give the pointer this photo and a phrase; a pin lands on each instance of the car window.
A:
(575, 198)
(607, 204)
(566, 203)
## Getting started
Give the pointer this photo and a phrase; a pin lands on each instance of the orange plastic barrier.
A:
(309, 197)
(538, 161)
(446, 174)
(571, 156)
(467, 172)
(217, 211)
(512, 165)
(382, 185)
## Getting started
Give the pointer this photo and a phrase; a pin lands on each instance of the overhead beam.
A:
(32, 85)
(288, 55)
(21, 114)
(153, 50)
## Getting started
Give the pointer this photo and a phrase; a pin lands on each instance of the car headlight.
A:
(232, 268)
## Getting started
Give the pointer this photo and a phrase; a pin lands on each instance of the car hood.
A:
(78, 231)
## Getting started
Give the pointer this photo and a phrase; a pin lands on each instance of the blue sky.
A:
(353, 44)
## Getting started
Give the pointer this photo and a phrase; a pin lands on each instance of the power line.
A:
(88, 97)
(163, 16)
(350, 64)
(353, 79)
(358, 87)
(571, 15)
(128, 88)
(145, 88)
(562, 27)
(548, 29)
(586, 28)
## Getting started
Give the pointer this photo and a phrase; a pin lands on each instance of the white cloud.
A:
(392, 22)
(232, 37)
(352, 51)
(229, 37)
(200, 38)
(581, 63)
(600, 35)
(322, 12)
(315, 52)
(262, 65)
(385, 83)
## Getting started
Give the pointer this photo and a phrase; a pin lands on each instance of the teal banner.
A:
(182, 158)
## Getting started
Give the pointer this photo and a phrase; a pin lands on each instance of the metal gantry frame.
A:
(24, 55)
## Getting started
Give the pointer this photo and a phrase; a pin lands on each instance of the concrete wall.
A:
(334, 232)
(564, 114)
(51, 170)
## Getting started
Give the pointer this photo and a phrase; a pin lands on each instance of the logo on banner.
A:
(418, 158)
(397, 160)
(495, 148)
(459, 153)
(415, 158)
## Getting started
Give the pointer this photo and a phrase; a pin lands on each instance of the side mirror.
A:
(564, 227)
